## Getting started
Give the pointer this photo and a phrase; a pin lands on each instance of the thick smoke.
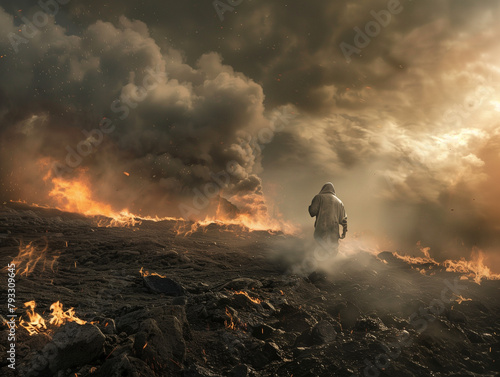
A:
(110, 101)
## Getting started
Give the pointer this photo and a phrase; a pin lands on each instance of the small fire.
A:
(474, 269)
(241, 223)
(59, 316)
(234, 323)
(230, 324)
(254, 300)
(36, 323)
(418, 260)
(145, 273)
(185, 229)
(461, 299)
(31, 255)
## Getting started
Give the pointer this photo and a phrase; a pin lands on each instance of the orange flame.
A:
(31, 255)
(461, 299)
(418, 260)
(233, 324)
(59, 316)
(145, 273)
(241, 223)
(230, 324)
(75, 195)
(254, 300)
(36, 323)
(474, 268)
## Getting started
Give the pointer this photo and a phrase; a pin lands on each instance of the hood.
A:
(328, 189)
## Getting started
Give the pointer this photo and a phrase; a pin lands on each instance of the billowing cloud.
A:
(109, 100)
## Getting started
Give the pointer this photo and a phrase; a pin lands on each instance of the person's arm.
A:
(343, 222)
(314, 207)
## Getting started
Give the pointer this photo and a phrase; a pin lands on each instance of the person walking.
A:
(330, 215)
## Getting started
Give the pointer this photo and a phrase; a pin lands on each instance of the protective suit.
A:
(330, 214)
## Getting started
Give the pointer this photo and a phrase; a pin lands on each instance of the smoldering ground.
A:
(239, 310)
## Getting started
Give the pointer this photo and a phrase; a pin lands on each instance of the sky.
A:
(394, 102)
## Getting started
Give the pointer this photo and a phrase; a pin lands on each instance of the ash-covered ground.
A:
(228, 302)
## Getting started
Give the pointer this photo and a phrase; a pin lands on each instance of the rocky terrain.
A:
(224, 301)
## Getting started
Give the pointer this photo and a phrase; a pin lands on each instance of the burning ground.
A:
(166, 298)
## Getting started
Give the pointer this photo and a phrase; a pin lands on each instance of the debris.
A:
(72, 345)
(167, 286)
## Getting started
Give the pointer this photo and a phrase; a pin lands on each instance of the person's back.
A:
(330, 214)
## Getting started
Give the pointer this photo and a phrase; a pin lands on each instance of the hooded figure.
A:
(330, 214)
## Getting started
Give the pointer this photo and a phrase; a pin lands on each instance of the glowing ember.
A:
(36, 323)
(461, 299)
(234, 323)
(145, 273)
(254, 300)
(230, 324)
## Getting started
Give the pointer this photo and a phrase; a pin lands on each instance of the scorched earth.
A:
(151, 300)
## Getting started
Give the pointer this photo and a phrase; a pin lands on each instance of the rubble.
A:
(159, 284)
(72, 345)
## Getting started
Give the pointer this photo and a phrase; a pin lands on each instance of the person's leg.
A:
(334, 246)
(322, 250)
(328, 246)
